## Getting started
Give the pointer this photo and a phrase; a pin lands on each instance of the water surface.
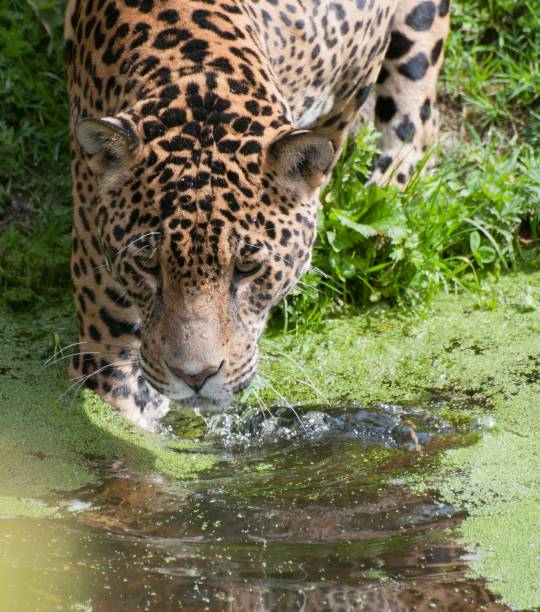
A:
(313, 516)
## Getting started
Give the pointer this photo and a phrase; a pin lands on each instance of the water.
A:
(387, 425)
(295, 516)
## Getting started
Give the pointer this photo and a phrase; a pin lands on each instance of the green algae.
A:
(51, 443)
(19, 506)
(454, 352)
(498, 482)
(480, 361)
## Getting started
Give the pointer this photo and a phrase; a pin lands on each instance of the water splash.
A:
(387, 425)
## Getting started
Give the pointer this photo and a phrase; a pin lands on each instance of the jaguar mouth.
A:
(205, 404)
(213, 396)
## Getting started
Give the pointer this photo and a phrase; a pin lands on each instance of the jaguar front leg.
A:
(405, 110)
(107, 357)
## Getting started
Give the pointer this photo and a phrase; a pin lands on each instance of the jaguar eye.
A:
(246, 267)
(149, 262)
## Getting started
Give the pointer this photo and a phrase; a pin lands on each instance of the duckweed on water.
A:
(498, 482)
(54, 443)
(486, 361)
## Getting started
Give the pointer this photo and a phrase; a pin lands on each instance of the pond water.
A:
(305, 509)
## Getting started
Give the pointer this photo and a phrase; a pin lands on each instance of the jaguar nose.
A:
(195, 381)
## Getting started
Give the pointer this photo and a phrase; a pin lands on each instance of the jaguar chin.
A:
(207, 390)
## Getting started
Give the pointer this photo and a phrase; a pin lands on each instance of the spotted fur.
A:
(201, 133)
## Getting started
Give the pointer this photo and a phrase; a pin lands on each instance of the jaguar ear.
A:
(109, 141)
(303, 156)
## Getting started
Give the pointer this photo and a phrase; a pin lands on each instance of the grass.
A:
(34, 156)
(457, 228)
(495, 44)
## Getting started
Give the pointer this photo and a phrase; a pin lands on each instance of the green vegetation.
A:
(496, 482)
(476, 214)
(463, 352)
(458, 227)
(449, 230)
(492, 70)
(471, 221)
(34, 155)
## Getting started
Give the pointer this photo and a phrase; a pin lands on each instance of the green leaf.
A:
(365, 230)
(486, 254)
(384, 216)
(348, 269)
(474, 241)
(331, 237)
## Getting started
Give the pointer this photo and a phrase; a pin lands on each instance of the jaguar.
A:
(201, 133)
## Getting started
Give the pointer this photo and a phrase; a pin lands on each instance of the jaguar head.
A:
(203, 236)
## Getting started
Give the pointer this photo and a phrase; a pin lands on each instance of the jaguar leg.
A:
(405, 110)
(107, 357)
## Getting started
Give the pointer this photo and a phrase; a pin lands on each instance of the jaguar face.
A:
(204, 246)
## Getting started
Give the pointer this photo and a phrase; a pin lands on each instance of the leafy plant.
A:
(450, 229)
